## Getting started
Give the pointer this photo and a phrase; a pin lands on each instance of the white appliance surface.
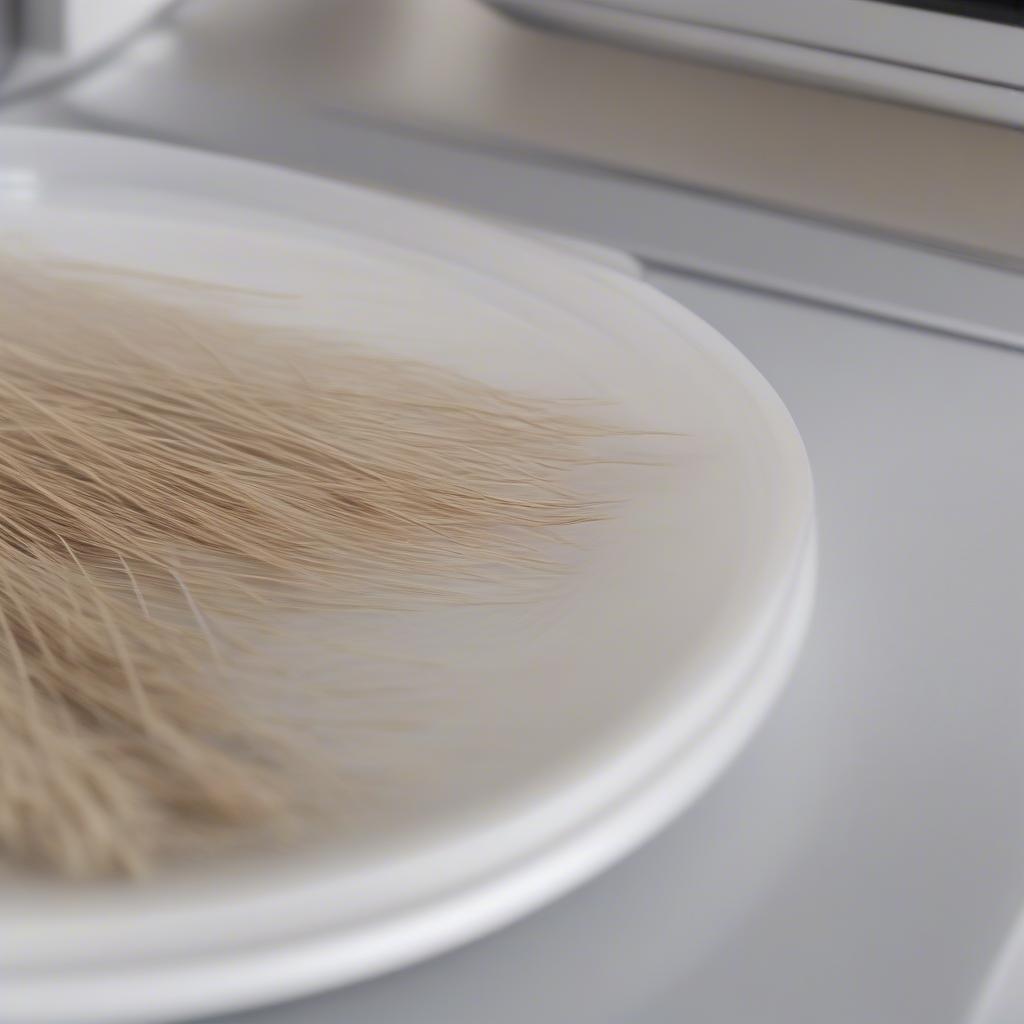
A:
(951, 61)
(863, 860)
(952, 44)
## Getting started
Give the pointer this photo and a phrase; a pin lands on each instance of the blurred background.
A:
(837, 186)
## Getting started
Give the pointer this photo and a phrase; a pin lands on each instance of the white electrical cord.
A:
(58, 39)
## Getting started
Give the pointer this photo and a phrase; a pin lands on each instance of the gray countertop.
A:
(863, 859)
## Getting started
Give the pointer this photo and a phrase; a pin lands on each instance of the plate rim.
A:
(135, 153)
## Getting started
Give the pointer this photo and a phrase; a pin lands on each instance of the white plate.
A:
(545, 741)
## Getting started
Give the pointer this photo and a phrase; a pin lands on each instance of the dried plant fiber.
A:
(170, 474)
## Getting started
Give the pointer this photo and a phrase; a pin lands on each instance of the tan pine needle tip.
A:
(168, 473)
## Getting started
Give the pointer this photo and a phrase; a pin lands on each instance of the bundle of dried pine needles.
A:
(166, 472)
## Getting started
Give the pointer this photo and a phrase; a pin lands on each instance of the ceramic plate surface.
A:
(539, 741)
